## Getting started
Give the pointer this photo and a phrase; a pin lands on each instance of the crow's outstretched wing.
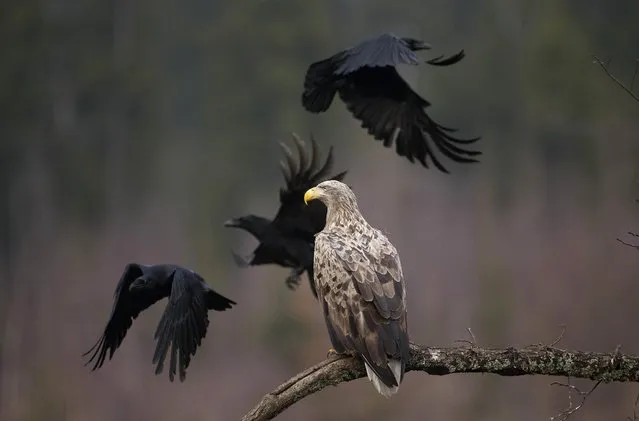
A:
(321, 83)
(325, 77)
(392, 112)
(367, 81)
(185, 321)
(293, 217)
(127, 306)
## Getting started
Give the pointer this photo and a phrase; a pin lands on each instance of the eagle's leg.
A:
(293, 280)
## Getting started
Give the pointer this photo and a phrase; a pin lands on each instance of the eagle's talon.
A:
(332, 354)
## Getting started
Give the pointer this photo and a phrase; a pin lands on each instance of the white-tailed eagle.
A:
(361, 288)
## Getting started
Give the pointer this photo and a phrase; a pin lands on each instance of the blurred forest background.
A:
(131, 130)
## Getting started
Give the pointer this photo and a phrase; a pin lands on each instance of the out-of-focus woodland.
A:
(131, 130)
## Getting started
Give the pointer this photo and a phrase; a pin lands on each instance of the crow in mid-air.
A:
(368, 83)
(183, 324)
(288, 240)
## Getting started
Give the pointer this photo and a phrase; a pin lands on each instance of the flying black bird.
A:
(288, 240)
(183, 324)
(368, 83)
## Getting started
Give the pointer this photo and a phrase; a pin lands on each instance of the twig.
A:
(615, 360)
(566, 413)
(625, 243)
(553, 343)
(560, 337)
(633, 234)
(617, 81)
(472, 342)
(472, 335)
(544, 361)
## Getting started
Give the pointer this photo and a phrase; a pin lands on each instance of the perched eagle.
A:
(361, 288)
(183, 324)
(375, 94)
(288, 239)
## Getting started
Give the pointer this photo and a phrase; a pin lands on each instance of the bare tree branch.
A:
(533, 360)
(617, 81)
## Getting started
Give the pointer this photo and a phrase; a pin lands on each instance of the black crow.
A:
(288, 240)
(368, 83)
(183, 324)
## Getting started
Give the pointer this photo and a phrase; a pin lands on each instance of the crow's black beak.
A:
(231, 223)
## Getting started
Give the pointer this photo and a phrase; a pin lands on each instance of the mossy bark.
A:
(533, 360)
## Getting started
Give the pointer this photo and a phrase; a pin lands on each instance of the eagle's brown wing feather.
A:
(363, 297)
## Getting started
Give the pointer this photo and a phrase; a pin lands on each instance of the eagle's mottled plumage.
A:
(358, 275)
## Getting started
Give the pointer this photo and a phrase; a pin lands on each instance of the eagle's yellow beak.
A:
(310, 195)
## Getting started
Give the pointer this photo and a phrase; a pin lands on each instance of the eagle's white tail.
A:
(396, 368)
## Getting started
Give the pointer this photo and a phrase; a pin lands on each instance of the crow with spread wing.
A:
(366, 80)
(288, 239)
(183, 324)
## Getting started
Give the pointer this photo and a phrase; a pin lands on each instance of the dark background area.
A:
(131, 130)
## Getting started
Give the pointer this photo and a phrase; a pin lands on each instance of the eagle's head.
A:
(334, 194)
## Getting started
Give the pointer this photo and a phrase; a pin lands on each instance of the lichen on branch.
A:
(538, 360)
